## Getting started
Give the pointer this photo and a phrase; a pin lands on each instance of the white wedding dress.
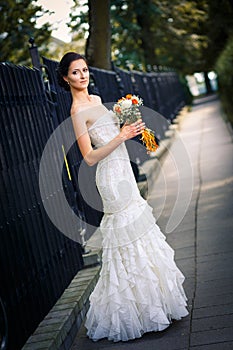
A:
(140, 287)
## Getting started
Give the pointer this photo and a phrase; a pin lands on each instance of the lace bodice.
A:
(104, 129)
(114, 175)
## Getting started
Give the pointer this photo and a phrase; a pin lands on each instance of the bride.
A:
(140, 287)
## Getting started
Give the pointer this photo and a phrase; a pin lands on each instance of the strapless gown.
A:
(140, 287)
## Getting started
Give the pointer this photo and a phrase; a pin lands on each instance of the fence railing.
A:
(37, 261)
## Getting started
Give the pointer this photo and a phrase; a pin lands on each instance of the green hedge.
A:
(224, 69)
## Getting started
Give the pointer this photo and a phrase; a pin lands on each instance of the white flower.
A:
(134, 97)
(117, 108)
(126, 104)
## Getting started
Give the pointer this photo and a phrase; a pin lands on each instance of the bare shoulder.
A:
(96, 98)
(74, 109)
(77, 111)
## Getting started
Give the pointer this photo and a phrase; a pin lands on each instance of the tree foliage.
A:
(17, 25)
(168, 33)
(224, 68)
(186, 35)
(218, 29)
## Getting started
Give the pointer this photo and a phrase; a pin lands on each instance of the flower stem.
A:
(148, 140)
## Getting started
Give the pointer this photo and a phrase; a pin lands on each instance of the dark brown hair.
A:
(63, 67)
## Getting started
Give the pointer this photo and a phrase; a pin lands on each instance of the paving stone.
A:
(215, 275)
(187, 266)
(220, 286)
(187, 252)
(214, 322)
(50, 321)
(149, 341)
(64, 306)
(213, 300)
(216, 244)
(181, 240)
(216, 258)
(217, 346)
(213, 336)
(38, 337)
(60, 314)
(213, 310)
(48, 328)
(40, 345)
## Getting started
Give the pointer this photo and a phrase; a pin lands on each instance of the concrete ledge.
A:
(59, 327)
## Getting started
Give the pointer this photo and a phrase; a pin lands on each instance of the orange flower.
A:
(134, 101)
(128, 96)
(118, 109)
(148, 139)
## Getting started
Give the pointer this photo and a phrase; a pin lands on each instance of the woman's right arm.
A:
(93, 156)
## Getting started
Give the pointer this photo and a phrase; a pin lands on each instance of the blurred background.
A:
(195, 38)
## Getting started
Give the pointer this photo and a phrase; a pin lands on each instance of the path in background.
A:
(203, 241)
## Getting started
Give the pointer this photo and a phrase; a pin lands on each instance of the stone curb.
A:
(59, 328)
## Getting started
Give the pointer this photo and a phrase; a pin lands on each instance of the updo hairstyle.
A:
(63, 67)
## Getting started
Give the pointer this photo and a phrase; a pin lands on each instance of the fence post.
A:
(34, 54)
(4, 330)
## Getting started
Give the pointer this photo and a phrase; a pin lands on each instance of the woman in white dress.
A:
(140, 287)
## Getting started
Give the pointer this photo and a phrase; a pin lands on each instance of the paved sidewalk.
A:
(194, 185)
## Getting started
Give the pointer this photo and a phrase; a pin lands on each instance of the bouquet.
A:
(127, 110)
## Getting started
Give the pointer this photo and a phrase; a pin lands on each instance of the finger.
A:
(137, 128)
(140, 123)
(137, 122)
(141, 126)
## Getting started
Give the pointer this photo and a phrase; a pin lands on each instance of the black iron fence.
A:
(37, 261)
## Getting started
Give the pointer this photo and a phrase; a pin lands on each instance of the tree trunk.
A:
(207, 83)
(98, 48)
(144, 18)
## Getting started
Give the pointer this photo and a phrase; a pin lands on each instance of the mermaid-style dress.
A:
(140, 287)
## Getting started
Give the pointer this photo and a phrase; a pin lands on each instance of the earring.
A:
(68, 83)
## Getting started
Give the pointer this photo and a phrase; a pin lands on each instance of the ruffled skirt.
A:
(140, 287)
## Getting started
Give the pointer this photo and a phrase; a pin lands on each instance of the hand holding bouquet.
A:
(127, 110)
